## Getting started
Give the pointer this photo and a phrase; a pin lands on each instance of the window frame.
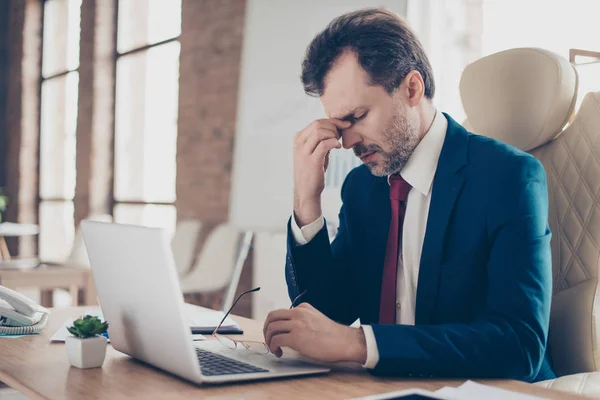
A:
(43, 79)
(114, 203)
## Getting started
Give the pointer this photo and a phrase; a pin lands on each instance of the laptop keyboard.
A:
(214, 364)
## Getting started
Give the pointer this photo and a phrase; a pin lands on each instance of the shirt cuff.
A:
(372, 350)
(305, 234)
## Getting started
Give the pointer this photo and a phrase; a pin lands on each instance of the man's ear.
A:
(414, 88)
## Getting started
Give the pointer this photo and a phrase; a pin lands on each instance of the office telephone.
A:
(19, 315)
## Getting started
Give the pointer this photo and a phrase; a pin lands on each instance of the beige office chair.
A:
(525, 97)
(78, 257)
(183, 244)
(219, 264)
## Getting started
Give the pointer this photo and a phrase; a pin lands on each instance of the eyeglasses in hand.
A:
(254, 346)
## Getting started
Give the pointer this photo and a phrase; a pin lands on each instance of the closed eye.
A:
(355, 119)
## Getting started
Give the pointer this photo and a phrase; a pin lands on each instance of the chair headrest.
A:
(523, 97)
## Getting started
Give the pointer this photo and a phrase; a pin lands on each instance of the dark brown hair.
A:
(386, 48)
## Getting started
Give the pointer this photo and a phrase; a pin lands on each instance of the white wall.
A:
(272, 107)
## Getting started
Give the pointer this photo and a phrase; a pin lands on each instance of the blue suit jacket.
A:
(484, 288)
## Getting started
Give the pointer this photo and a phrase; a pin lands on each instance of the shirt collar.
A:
(422, 164)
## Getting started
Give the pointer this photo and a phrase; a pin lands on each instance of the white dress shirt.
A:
(418, 172)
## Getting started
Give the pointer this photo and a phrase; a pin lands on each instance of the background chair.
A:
(78, 257)
(219, 264)
(526, 97)
(76, 265)
(183, 244)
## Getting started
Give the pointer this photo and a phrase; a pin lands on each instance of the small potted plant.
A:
(87, 348)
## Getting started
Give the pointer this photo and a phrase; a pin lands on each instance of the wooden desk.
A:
(40, 370)
(48, 278)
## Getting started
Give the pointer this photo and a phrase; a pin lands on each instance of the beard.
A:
(401, 136)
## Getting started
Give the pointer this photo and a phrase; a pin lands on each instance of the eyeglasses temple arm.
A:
(231, 308)
(297, 298)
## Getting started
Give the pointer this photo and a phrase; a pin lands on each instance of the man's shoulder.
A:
(495, 157)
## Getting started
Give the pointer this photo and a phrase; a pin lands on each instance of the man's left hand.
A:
(312, 334)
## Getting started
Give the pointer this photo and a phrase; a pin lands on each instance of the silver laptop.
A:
(139, 293)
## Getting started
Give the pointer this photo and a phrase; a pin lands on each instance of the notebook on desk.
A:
(205, 321)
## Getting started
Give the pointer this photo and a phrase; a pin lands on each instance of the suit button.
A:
(410, 375)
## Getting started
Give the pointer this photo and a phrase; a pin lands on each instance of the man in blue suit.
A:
(443, 247)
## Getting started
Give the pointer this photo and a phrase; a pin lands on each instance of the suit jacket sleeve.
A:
(324, 270)
(508, 339)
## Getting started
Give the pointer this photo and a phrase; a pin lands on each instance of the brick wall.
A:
(22, 122)
(5, 7)
(211, 46)
(95, 116)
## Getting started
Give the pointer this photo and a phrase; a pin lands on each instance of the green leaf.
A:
(73, 331)
(88, 326)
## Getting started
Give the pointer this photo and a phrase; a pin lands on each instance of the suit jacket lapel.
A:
(447, 185)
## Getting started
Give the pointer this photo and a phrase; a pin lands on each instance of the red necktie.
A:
(399, 189)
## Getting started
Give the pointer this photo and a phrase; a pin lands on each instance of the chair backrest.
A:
(215, 264)
(183, 244)
(525, 97)
(78, 257)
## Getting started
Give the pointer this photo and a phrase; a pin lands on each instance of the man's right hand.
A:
(311, 157)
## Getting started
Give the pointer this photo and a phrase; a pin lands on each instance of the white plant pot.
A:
(86, 353)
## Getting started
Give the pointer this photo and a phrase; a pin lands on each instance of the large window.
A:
(146, 111)
(60, 78)
(458, 32)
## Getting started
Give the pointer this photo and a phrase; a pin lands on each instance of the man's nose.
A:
(350, 138)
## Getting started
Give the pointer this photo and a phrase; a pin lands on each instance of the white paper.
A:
(472, 390)
(207, 320)
(62, 333)
(404, 393)
(467, 391)
(197, 317)
(449, 393)
(200, 318)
